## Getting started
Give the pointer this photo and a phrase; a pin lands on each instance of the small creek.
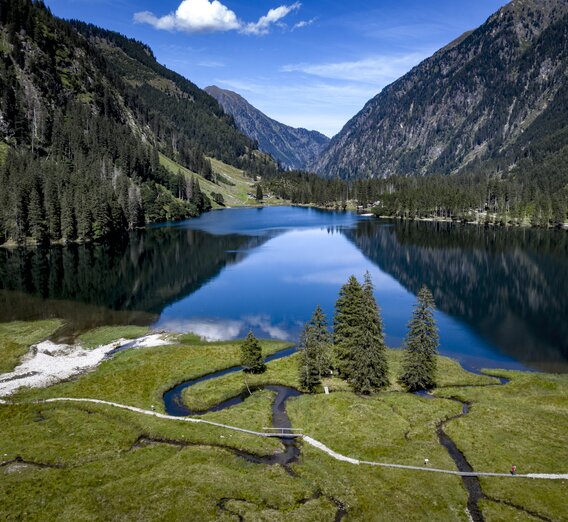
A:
(174, 405)
(472, 484)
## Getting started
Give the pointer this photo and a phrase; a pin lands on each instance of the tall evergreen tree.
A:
(347, 325)
(314, 361)
(369, 359)
(251, 355)
(421, 345)
(68, 221)
(36, 216)
(259, 193)
(308, 370)
(323, 341)
(360, 348)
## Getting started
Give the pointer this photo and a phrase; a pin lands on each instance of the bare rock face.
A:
(293, 148)
(483, 102)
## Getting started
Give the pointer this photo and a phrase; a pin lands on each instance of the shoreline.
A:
(48, 363)
(368, 212)
(476, 223)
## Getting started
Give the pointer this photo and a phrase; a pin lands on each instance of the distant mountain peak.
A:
(294, 148)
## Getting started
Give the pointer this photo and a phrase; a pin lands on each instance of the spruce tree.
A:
(314, 361)
(308, 371)
(259, 194)
(347, 325)
(322, 340)
(68, 224)
(369, 359)
(360, 349)
(421, 345)
(36, 216)
(251, 355)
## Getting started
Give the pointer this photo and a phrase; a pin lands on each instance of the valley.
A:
(210, 312)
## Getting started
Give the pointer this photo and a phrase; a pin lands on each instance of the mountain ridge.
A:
(294, 148)
(466, 107)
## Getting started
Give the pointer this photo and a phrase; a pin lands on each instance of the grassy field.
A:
(206, 394)
(524, 423)
(234, 193)
(101, 463)
(108, 334)
(17, 337)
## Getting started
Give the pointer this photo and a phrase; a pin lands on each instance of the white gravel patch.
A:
(151, 341)
(48, 363)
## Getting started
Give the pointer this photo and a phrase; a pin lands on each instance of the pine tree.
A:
(308, 370)
(36, 216)
(68, 222)
(322, 340)
(251, 355)
(359, 340)
(369, 359)
(314, 361)
(259, 193)
(421, 345)
(347, 325)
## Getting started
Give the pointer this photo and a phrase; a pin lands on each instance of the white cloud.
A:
(263, 323)
(210, 329)
(273, 16)
(194, 16)
(165, 22)
(303, 23)
(204, 16)
(378, 70)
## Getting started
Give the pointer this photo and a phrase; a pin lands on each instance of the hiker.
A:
(513, 470)
(426, 462)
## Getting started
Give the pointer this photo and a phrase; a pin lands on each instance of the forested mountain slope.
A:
(494, 101)
(84, 115)
(293, 148)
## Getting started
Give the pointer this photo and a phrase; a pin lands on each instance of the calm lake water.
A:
(502, 294)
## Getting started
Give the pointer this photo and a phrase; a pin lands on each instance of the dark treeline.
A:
(92, 184)
(532, 195)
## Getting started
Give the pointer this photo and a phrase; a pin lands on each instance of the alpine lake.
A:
(502, 294)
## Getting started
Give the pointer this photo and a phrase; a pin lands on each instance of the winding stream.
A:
(174, 405)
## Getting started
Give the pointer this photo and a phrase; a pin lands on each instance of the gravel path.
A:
(308, 440)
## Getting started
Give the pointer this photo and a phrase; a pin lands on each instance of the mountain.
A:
(293, 148)
(90, 126)
(493, 100)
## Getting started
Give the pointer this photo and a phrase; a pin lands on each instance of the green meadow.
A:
(81, 461)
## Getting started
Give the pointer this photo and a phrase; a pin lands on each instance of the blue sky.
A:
(310, 64)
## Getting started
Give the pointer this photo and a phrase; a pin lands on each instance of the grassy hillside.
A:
(232, 183)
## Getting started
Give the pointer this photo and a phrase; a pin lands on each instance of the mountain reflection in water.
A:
(510, 286)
